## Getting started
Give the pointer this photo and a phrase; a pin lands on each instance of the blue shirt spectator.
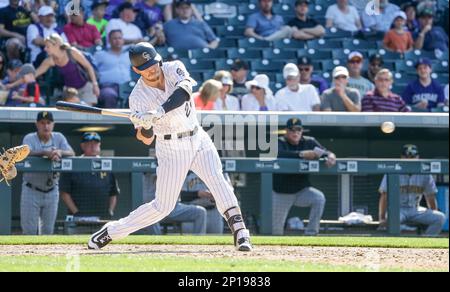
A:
(187, 33)
(114, 64)
(381, 22)
(264, 25)
(429, 37)
(424, 94)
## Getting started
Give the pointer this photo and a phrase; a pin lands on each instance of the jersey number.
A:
(188, 109)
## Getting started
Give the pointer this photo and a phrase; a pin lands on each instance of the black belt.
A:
(182, 135)
(38, 189)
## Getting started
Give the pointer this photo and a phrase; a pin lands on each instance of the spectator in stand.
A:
(14, 21)
(187, 33)
(132, 34)
(239, 71)
(260, 97)
(114, 63)
(424, 93)
(446, 94)
(382, 99)
(376, 63)
(152, 10)
(296, 189)
(36, 34)
(169, 10)
(305, 27)
(381, 21)
(208, 95)
(356, 81)
(306, 68)
(40, 191)
(81, 34)
(411, 22)
(30, 93)
(71, 95)
(98, 16)
(265, 25)
(296, 97)
(2, 67)
(226, 101)
(398, 39)
(10, 83)
(343, 16)
(412, 189)
(73, 66)
(341, 98)
(89, 194)
(430, 37)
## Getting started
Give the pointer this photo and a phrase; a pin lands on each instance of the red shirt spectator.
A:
(81, 34)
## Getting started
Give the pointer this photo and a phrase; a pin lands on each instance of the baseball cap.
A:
(126, 5)
(46, 10)
(298, 2)
(426, 11)
(400, 14)
(355, 56)
(226, 80)
(376, 57)
(339, 71)
(239, 64)
(98, 3)
(92, 136)
(26, 69)
(423, 61)
(410, 150)
(290, 70)
(14, 64)
(45, 116)
(181, 2)
(305, 61)
(294, 124)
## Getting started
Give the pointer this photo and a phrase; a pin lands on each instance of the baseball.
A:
(388, 127)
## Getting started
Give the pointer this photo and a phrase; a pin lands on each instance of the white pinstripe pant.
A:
(175, 159)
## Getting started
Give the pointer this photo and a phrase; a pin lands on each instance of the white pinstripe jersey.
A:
(144, 98)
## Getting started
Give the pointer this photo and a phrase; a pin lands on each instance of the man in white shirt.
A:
(296, 97)
(131, 32)
(343, 16)
(36, 33)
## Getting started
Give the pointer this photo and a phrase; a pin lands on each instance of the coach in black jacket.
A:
(295, 189)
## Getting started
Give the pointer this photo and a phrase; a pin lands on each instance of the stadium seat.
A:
(441, 67)
(359, 45)
(277, 54)
(329, 65)
(244, 54)
(214, 21)
(223, 64)
(319, 54)
(388, 55)
(340, 54)
(284, 9)
(171, 53)
(125, 90)
(195, 65)
(333, 33)
(267, 66)
(416, 54)
(253, 43)
(227, 43)
(238, 21)
(404, 66)
(403, 78)
(230, 31)
(288, 44)
(208, 75)
(441, 78)
(323, 43)
(207, 54)
(247, 8)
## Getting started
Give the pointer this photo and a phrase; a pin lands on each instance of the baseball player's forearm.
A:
(112, 205)
(177, 99)
(382, 207)
(431, 202)
(67, 199)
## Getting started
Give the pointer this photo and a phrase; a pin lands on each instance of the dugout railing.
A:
(344, 168)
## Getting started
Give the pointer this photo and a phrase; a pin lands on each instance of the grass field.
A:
(215, 253)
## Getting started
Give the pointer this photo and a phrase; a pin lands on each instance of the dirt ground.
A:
(366, 258)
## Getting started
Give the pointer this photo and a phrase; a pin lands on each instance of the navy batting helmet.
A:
(144, 55)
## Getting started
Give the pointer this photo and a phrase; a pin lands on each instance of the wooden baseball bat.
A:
(86, 109)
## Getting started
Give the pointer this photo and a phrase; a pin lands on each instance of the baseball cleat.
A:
(243, 241)
(99, 239)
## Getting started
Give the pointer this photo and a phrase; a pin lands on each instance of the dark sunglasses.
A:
(256, 87)
(340, 77)
(304, 69)
(355, 62)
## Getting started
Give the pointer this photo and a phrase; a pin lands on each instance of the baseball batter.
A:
(161, 101)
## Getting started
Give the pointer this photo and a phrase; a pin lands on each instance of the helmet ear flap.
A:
(136, 70)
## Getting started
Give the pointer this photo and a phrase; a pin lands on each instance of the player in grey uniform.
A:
(161, 101)
(195, 192)
(412, 189)
(181, 212)
(40, 191)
